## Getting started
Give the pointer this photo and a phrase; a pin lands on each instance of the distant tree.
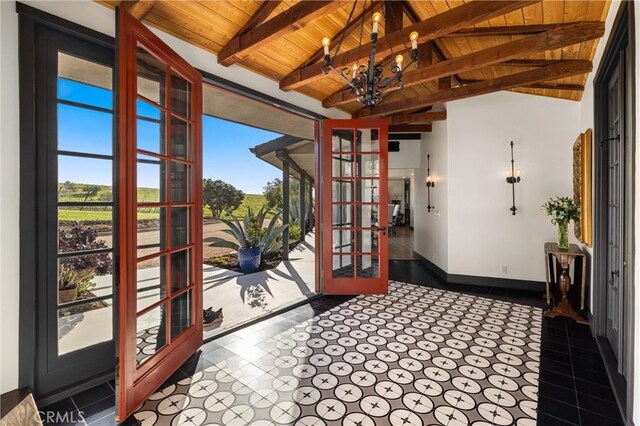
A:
(220, 196)
(273, 192)
(69, 186)
(91, 191)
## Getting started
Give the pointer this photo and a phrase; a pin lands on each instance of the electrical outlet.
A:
(505, 270)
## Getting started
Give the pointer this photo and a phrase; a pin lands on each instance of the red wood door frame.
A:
(354, 285)
(136, 382)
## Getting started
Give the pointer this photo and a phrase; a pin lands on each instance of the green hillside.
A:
(77, 192)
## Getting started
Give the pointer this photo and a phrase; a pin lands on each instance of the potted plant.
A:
(70, 281)
(252, 240)
(562, 210)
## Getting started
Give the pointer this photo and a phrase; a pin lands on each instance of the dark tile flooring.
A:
(573, 390)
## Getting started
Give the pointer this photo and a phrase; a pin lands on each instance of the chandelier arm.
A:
(341, 75)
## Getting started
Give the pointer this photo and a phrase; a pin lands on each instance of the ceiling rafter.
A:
(556, 38)
(410, 128)
(546, 85)
(510, 30)
(429, 29)
(259, 16)
(292, 19)
(317, 55)
(537, 75)
(139, 8)
(424, 117)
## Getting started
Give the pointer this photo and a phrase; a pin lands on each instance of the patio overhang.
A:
(294, 151)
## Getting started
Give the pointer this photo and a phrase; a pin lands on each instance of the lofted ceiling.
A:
(467, 47)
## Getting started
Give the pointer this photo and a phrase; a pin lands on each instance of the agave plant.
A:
(69, 278)
(250, 232)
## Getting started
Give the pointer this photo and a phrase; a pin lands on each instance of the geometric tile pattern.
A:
(416, 356)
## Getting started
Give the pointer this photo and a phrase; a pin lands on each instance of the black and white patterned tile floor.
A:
(417, 356)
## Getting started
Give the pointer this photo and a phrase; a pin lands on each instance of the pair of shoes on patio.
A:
(211, 318)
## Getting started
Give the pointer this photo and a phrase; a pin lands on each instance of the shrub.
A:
(69, 278)
(79, 238)
(295, 232)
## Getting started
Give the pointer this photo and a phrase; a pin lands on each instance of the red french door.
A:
(160, 212)
(355, 210)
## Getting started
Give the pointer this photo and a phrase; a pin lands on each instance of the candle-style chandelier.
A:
(368, 81)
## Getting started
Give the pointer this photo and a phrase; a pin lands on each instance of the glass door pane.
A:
(160, 128)
(355, 193)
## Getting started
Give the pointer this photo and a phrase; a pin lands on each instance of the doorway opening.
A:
(256, 158)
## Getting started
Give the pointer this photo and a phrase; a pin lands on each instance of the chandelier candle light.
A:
(368, 82)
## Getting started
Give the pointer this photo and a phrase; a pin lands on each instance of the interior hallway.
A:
(401, 243)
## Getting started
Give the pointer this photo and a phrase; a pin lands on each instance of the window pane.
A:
(342, 241)
(180, 182)
(368, 165)
(367, 241)
(150, 133)
(342, 215)
(151, 333)
(180, 95)
(367, 191)
(367, 266)
(180, 138)
(342, 165)
(85, 277)
(151, 179)
(343, 266)
(151, 77)
(151, 283)
(342, 140)
(84, 179)
(180, 270)
(342, 190)
(180, 314)
(180, 229)
(367, 215)
(83, 81)
(84, 325)
(368, 140)
(89, 234)
(84, 130)
(151, 237)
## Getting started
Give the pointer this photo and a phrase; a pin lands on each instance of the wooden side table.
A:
(565, 257)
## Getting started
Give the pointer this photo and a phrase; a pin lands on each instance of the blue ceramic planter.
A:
(249, 259)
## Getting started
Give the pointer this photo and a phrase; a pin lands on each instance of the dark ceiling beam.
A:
(546, 85)
(530, 62)
(556, 38)
(139, 8)
(424, 117)
(289, 21)
(447, 22)
(510, 30)
(259, 16)
(410, 128)
(538, 75)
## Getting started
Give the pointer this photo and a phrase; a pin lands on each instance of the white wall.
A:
(102, 19)
(483, 234)
(408, 157)
(430, 238)
(396, 191)
(9, 197)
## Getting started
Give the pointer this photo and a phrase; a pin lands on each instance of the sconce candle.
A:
(513, 177)
(430, 184)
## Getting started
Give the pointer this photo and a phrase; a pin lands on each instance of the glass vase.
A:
(563, 235)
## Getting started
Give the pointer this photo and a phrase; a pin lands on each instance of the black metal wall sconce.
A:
(513, 177)
(430, 184)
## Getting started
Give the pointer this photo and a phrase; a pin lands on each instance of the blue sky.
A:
(225, 144)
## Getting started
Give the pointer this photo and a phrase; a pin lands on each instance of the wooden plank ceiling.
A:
(533, 47)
